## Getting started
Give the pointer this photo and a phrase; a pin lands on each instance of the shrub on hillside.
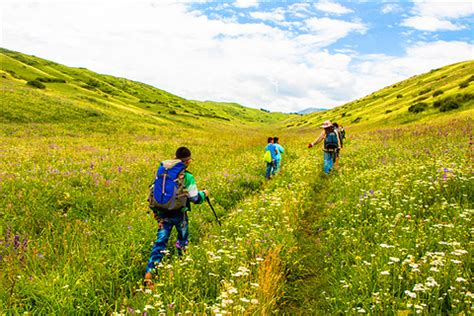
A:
(453, 102)
(418, 107)
(13, 74)
(58, 80)
(437, 92)
(172, 112)
(388, 111)
(449, 105)
(424, 91)
(421, 98)
(463, 85)
(36, 84)
(399, 96)
(357, 120)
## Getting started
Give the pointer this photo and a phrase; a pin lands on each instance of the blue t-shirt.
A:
(271, 148)
(280, 150)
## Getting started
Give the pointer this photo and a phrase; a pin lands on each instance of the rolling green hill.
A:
(41, 91)
(440, 93)
(387, 232)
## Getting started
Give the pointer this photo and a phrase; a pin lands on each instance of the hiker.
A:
(170, 196)
(270, 157)
(279, 151)
(337, 129)
(331, 144)
(343, 132)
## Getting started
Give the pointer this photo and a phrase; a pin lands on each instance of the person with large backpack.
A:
(170, 199)
(330, 145)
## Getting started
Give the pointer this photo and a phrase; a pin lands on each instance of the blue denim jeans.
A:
(165, 226)
(328, 161)
(270, 168)
(277, 166)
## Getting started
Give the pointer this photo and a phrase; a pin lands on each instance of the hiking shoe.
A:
(148, 282)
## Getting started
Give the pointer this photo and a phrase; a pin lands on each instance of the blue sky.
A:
(283, 56)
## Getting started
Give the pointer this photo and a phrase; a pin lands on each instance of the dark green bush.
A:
(437, 92)
(357, 120)
(418, 107)
(463, 85)
(449, 105)
(453, 102)
(36, 84)
(399, 96)
(424, 91)
(172, 112)
(388, 111)
(58, 80)
(421, 98)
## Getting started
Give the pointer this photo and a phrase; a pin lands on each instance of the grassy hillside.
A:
(80, 94)
(388, 232)
(442, 92)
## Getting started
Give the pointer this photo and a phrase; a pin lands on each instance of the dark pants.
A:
(270, 168)
(165, 226)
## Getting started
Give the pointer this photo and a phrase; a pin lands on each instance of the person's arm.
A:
(319, 139)
(339, 141)
(194, 195)
(281, 149)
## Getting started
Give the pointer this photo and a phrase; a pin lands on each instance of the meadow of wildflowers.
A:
(388, 232)
(396, 227)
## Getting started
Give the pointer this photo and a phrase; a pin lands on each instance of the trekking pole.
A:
(212, 208)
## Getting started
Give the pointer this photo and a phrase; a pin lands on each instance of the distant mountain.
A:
(310, 110)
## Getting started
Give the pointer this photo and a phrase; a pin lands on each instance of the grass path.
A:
(305, 279)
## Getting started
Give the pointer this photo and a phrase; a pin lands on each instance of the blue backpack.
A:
(330, 142)
(167, 191)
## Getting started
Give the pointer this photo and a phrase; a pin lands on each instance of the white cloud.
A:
(444, 9)
(437, 15)
(390, 8)
(430, 23)
(188, 54)
(332, 7)
(246, 3)
(276, 15)
(324, 31)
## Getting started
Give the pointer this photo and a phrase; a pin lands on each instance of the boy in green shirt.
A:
(176, 214)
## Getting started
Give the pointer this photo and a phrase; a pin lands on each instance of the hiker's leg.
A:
(182, 228)
(336, 159)
(269, 170)
(327, 162)
(162, 236)
(277, 166)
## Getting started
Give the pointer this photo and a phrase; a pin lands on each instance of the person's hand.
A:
(206, 192)
(310, 145)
